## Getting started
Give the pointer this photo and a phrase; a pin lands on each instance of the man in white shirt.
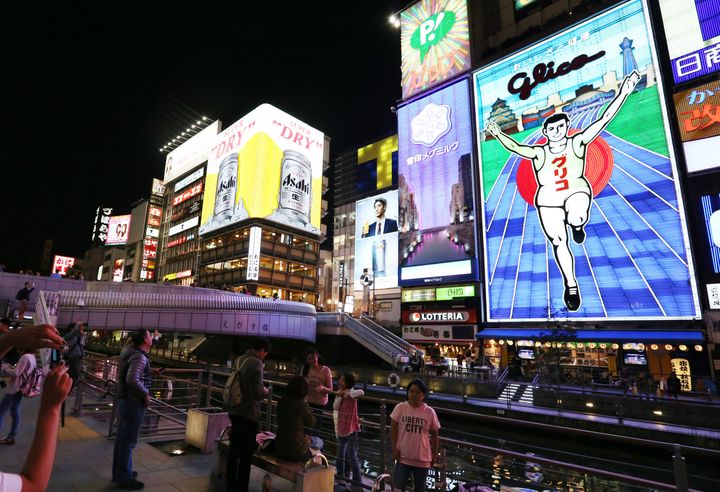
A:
(382, 224)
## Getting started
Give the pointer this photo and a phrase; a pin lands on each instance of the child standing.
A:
(414, 430)
(347, 427)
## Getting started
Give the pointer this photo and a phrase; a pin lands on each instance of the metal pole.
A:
(79, 387)
(198, 397)
(268, 416)
(208, 396)
(680, 467)
(383, 438)
(113, 414)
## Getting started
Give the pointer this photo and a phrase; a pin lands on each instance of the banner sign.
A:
(583, 216)
(692, 30)
(435, 44)
(436, 188)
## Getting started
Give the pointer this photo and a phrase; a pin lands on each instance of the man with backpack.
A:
(22, 383)
(243, 394)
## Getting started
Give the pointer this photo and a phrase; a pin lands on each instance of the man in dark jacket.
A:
(75, 341)
(23, 297)
(245, 416)
(133, 396)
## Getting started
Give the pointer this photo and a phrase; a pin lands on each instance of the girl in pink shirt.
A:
(414, 430)
(319, 378)
(347, 426)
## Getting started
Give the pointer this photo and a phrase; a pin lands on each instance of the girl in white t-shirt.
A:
(414, 430)
(11, 400)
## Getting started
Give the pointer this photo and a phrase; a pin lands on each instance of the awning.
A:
(598, 335)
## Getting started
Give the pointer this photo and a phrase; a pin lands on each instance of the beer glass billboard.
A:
(376, 239)
(266, 165)
(583, 216)
(436, 191)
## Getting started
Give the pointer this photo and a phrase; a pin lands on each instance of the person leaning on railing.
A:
(37, 469)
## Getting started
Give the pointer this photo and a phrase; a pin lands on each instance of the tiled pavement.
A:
(84, 460)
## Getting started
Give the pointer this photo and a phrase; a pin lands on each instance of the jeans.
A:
(242, 447)
(348, 457)
(74, 369)
(317, 411)
(402, 476)
(130, 414)
(11, 402)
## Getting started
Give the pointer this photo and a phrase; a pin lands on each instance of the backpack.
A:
(232, 393)
(32, 385)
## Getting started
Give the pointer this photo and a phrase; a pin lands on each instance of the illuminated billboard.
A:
(100, 225)
(118, 230)
(266, 165)
(436, 199)
(711, 210)
(376, 239)
(698, 114)
(582, 209)
(435, 44)
(191, 153)
(61, 264)
(692, 31)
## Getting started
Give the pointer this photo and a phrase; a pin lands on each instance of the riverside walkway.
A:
(83, 462)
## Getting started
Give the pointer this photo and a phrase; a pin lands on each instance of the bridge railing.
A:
(464, 460)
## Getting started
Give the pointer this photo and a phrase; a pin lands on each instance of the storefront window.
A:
(266, 262)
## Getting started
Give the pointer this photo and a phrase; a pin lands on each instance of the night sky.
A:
(94, 94)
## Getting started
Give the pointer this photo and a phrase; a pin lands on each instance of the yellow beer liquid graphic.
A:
(258, 181)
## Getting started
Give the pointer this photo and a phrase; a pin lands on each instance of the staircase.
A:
(370, 335)
(517, 392)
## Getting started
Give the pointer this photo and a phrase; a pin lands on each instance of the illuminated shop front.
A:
(262, 261)
(600, 356)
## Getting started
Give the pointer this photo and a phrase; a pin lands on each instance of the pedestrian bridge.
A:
(193, 310)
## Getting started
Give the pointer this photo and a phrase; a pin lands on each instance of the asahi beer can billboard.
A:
(266, 165)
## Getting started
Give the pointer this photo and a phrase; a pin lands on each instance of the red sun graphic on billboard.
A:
(598, 169)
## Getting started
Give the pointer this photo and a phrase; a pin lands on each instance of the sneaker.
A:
(578, 234)
(572, 298)
(131, 484)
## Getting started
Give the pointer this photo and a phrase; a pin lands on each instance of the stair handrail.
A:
(408, 347)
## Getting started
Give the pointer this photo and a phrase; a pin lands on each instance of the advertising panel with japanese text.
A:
(376, 239)
(118, 230)
(435, 44)
(266, 165)
(436, 188)
(692, 31)
(61, 264)
(583, 216)
(698, 114)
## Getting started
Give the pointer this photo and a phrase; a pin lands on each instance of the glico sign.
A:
(435, 44)
(583, 216)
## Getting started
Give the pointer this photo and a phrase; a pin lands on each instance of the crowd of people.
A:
(301, 415)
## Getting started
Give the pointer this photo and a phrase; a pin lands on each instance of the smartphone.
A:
(55, 358)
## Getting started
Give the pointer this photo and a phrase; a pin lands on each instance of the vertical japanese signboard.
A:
(582, 209)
